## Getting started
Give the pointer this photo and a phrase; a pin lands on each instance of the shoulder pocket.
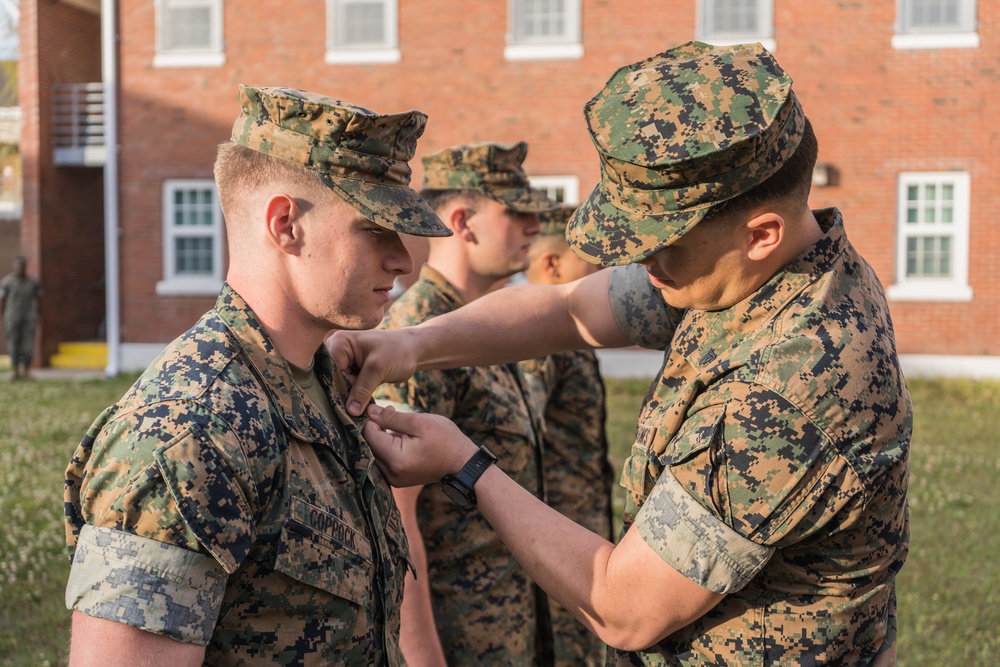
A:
(642, 467)
(208, 497)
(321, 550)
(695, 436)
(650, 454)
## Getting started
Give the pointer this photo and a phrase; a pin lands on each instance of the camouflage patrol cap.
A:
(360, 155)
(492, 169)
(553, 223)
(678, 133)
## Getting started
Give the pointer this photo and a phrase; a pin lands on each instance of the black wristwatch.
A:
(459, 487)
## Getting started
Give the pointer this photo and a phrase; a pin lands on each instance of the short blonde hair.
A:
(239, 169)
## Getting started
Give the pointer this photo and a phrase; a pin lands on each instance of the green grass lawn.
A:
(949, 589)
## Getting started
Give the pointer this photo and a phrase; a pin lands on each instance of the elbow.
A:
(638, 634)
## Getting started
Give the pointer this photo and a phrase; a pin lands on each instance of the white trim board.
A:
(636, 363)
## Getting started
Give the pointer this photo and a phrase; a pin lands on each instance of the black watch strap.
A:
(459, 487)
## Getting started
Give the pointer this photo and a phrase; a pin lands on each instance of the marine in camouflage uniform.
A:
(19, 297)
(483, 603)
(766, 515)
(578, 475)
(771, 455)
(224, 503)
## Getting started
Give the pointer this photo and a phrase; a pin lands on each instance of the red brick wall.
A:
(877, 111)
(63, 221)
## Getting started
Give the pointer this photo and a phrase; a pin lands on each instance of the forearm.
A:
(523, 322)
(100, 643)
(601, 585)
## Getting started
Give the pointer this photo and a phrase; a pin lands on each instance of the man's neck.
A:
(293, 333)
(469, 284)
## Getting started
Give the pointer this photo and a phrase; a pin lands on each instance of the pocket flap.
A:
(208, 497)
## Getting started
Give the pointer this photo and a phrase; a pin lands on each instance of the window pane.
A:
(934, 14)
(930, 192)
(911, 256)
(929, 214)
(947, 192)
(944, 257)
(731, 16)
(187, 27)
(193, 208)
(540, 19)
(911, 214)
(911, 193)
(927, 257)
(363, 24)
(193, 256)
(947, 214)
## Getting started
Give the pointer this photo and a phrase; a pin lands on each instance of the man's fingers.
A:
(359, 396)
(390, 419)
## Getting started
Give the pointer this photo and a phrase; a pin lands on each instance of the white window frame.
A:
(567, 46)
(963, 36)
(570, 185)
(211, 56)
(764, 33)
(387, 52)
(172, 283)
(956, 287)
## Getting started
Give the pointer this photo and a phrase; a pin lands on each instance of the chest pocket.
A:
(321, 550)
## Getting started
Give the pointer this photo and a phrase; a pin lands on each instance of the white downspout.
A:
(112, 298)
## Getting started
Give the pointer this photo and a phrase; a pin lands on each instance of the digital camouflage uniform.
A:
(486, 609)
(578, 475)
(771, 462)
(20, 315)
(771, 456)
(215, 503)
(484, 602)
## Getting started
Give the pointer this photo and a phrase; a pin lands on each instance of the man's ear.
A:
(549, 261)
(282, 223)
(766, 232)
(457, 220)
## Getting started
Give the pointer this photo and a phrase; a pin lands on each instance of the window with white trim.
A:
(361, 31)
(192, 238)
(930, 24)
(932, 237)
(189, 33)
(724, 22)
(543, 30)
(564, 189)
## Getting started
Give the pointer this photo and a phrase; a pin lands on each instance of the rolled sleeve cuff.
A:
(695, 542)
(150, 585)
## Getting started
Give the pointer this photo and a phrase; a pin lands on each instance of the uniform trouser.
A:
(20, 341)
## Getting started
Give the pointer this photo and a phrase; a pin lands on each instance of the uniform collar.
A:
(439, 283)
(709, 334)
(301, 417)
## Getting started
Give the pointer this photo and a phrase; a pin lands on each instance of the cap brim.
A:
(522, 200)
(602, 233)
(398, 208)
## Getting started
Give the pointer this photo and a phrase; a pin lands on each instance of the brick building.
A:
(897, 91)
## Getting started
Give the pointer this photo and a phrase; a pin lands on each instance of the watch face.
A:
(457, 495)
